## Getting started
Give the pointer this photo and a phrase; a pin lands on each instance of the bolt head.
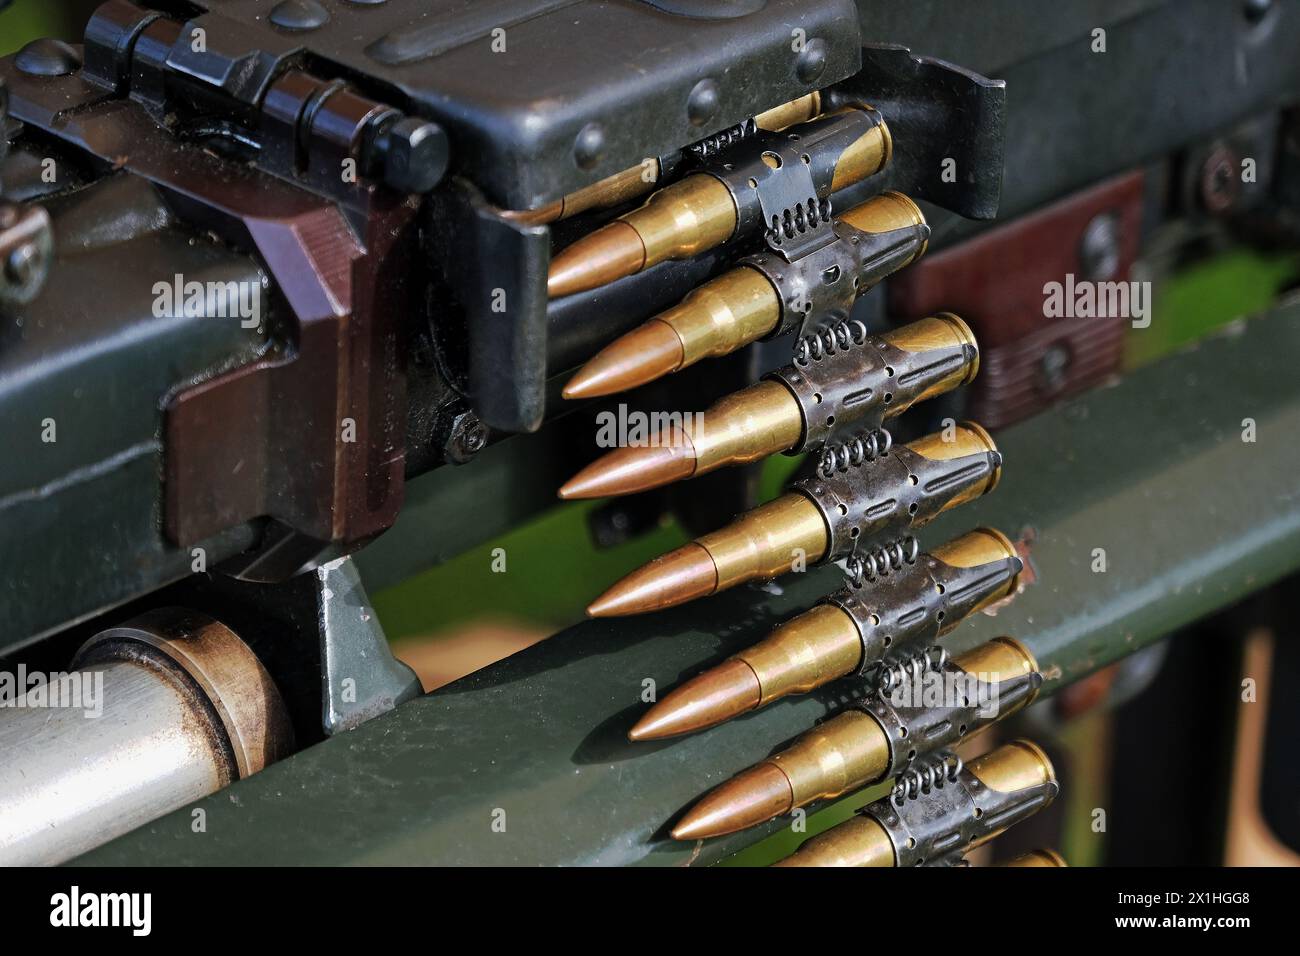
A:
(28, 248)
(467, 437)
(21, 264)
(416, 156)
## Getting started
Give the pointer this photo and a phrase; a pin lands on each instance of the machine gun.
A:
(280, 315)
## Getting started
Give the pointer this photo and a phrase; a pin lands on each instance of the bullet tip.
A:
(747, 799)
(671, 579)
(611, 252)
(642, 355)
(717, 695)
(626, 471)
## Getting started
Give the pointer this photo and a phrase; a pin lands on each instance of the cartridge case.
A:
(767, 541)
(891, 728)
(723, 315)
(798, 110)
(886, 734)
(821, 519)
(1042, 857)
(869, 242)
(638, 180)
(746, 188)
(908, 599)
(811, 160)
(939, 811)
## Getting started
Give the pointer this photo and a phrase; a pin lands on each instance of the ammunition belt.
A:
(786, 198)
(891, 495)
(705, 149)
(918, 602)
(909, 727)
(820, 286)
(862, 448)
(938, 809)
(845, 380)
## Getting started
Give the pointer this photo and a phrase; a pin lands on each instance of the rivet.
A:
(47, 57)
(812, 61)
(702, 103)
(299, 15)
(589, 147)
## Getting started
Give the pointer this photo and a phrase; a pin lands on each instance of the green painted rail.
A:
(1154, 471)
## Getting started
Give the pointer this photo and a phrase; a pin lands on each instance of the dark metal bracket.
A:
(497, 270)
(948, 125)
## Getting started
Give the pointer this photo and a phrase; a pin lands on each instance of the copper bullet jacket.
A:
(720, 693)
(677, 222)
(848, 751)
(743, 427)
(760, 544)
(859, 841)
(719, 317)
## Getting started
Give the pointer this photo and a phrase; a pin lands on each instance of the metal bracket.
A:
(497, 273)
(842, 380)
(905, 603)
(911, 728)
(942, 118)
(780, 180)
(882, 498)
(360, 678)
(940, 808)
(819, 286)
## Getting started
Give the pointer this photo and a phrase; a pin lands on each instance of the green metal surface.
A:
(525, 762)
(91, 361)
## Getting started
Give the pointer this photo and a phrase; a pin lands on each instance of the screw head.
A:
(1099, 247)
(1052, 368)
(299, 15)
(589, 147)
(1220, 182)
(467, 437)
